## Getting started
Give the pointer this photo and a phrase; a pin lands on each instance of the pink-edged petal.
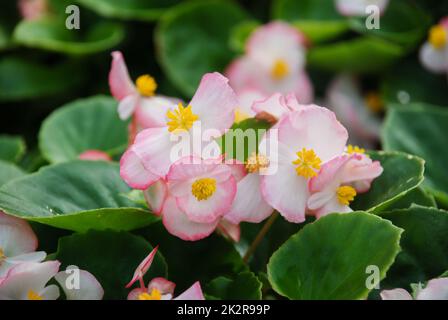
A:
(435, 60)
(16, 236)
(237, 168)
(127, 106)
(275, 106)
(89, 287)
(215, 102)
(330, 174)
(163, 285)
(192, 293)
(10, 262)
(247, 98)
(120, 83)
(230, 230)
(208, 210)
(154, 146)
(151, 112)
(135, 293)
(331, 206)
(33, 9)
(358, 7)
(50, 293)
(178, 224)
(155, 196)
(436, 289)
(134, 173)
(95, 155)
(360, 171)
(25, 277)
(286, 192)
(143, 267)
(313, 128)
(395, 294)
(249, 205)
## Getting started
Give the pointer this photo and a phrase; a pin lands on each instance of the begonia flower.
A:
(18, 243)
(276, 106)
(307, 139)
(212, 109)
(274, 62)
(434, 53)
(436, 289)
(358, 7)
(95, 155)
(33, 9)
(89, 287)
(339, 181)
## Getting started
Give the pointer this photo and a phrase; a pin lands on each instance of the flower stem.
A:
(260, 236)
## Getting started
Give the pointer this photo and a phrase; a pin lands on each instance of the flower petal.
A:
(155, 196)
(95, 155)
(89, 287)
(358, 8)
(143, 267)
(436, 289)
(163, 285)
(230, 230)
(127, 106)
(435, 60)
(151, 112)
(192, 293)
(120, 83)
(134, 173)
(16, 236)
(395, 294)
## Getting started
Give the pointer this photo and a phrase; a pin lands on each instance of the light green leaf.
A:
(421, 129)
(12, 148)
(328, 259)
(9, 171)
(77, 195)
(85, 124)
(192, 39)
(144, 10)
(402, 174)
(244, 286)
(111, 257)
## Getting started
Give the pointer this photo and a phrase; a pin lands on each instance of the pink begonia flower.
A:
(159, 288)
(247, 98)
(212, 109)
(436, 289)
(276, 106)
(358, 7)
(274, 62)
(139, 98)
(33, 9)
(339, 181)
(95, 155)
(307, 139)
(18, 243)
(357, 113)
(28, 281)
(434, 53)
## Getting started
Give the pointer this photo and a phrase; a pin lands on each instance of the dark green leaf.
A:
(12, 148)
(244, 286)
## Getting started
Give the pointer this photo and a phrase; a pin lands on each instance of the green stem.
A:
(260, 236)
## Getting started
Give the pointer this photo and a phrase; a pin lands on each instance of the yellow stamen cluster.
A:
(308, 163)
(355, 149)
(256, 163)
(438, 37)
(279, 70)
(374, 102)
(33, 295)
(146, 85)
(181, 118)
(203, 188)
(345, 194)
(154, 295)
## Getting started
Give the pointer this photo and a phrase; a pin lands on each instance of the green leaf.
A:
(144, 10)
(50, 33)
(195, 261)
(244, 286)
(402, 22)
(192, 39)
(12, 148)
(85, 124)
(77, 195)
(351, 55)
(9, 171)
(328, 259)
(22, 79)
(317, 19)
(240, 33)
(417, 196)
(424, 243)
(402, 174)
(111, 257)
(421, 129)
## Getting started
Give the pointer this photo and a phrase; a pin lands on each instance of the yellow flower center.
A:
(355, 149)
(374, 102)
(154, 295)
(33, 295)
(146, 85)
(241, 115)
(203, 188)
(307, 163)
(438, 36)
(256, 163)
(181, 118)
(279, 70)
(346, 194)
